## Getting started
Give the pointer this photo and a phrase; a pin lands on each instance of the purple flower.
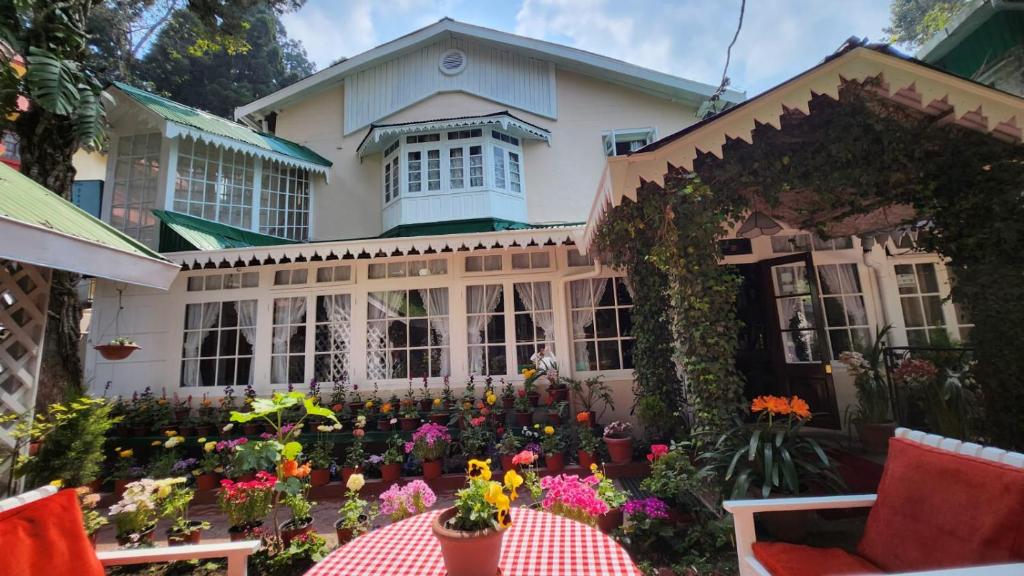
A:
(184, 465)
(651, 507)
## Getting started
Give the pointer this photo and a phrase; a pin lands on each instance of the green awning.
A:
(181, 233)
(462, 227)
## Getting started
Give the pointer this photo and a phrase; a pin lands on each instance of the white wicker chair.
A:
(743, 510)
(237, 553)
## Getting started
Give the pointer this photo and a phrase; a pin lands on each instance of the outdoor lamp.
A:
(758, 223)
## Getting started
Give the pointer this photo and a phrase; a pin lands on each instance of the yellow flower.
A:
(58, 483)
(504, 515)
(201, 440)
(355, 482)
(155, 443)
(170, 433)
(209, 446)
(593, 467)
(163, 491)
(491, 398)
(512, 481)
(126, 453)
(493, 493)
(549, 430)
(479, 469)
(369, 404)
(162, 401)
(437, 401)
(197, 472)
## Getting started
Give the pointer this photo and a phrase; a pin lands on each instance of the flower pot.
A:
(204, 430)
(610, 520)
(390, 472)
(533, 397)
(247, 531)
(206, 482)
(345, 535)
(789, 526)
(467, 553)
(410, 424)
(181, 414)
(585, 459)
(523, 418)
(355, 407)
(252, 429)
(320, 477)
(874, 436)
(384, 424)
(193, 536)
(555, 418)
(426, 404)
(137, 538)
(347, 472)
(294, 528)
(619, 449)
(119, 487)
(506, 462)
(432, 469)
(559, 394)
(116, 351)
(555, 463)
(438, 418)
(508, 403)
(95, 486)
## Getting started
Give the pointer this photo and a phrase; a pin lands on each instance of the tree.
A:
(220, 79)
(65, 114)
(914, 22)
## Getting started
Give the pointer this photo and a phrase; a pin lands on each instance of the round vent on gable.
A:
(452, 62)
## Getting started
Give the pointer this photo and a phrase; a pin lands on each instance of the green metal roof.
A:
(462, 227)
(204, 121)
(985, 44)
(191, 233)
(26, 201)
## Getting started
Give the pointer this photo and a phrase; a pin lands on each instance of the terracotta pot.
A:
(789, 526)
(292, 529)
(181, 414)
(555, 418)
(355, 407)
(390, 472)
(610, 520)
(559, 394)
(438, 418)
(426, 404)
(432, 469)
(619, 449)
(523, 418)
(116, 351)
(384, 425)
(345, 535)
(468, 553)
(585, 459)
(119, 486)
(207, 482)
(506, 462)
(346, 472)
(144, 536)
(95, 486)
(181, 538)
(555, 463)
(508, 403)
(252, 429)
(409, 424)
(320, 477)
(187, 431)
(874, 437)
(245, 531)
(533, 397)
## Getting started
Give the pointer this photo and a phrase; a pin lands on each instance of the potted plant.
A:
(593, 396)
(207, 417)
(430, 444)
(674, 480)
(117, 349)
(470, 533)
(438, 412)
(386, 421)
(558, 390)
(135, 514)
(447, 396)
(92, 520)
(175, 506)
(294, 490)
(871, 415)
(618, 437)
(356, 454)
(409, 414)
(648, 531)
(530, 376)
(508, 394)
(587, 441)
(392, 460)
(246, 504)
(211, 466)
(426, 398)
(355, 401)
(557, 411)
(322, 458)
(182, 409)
(356, 514)
(553, 446)
(125, 470)
(614, 498)
(402, 501)
(476, 438)
(573, 497)
(508, 447)
(523, 413)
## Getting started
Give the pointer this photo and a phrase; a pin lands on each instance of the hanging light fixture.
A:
(757, 224)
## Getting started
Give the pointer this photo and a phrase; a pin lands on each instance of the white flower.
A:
(323, 428)
(229, 426)
(355, 482)
(393, 420)
(337, 426)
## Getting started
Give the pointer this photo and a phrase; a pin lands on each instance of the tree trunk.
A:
(47, 147)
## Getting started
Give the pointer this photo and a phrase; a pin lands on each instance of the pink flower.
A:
(569, 495)
(524, 458)
(657, 451)
(358, 432)
(478, 421)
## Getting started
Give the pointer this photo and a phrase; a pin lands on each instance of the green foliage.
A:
(868, 370)
(914, 22)
(592, 394)
(674, 479)
(255, 456)
(294, 560)
(322, 454)
(72, 438)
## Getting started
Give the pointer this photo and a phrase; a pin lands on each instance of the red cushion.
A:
(940, 510)
(784, 559)
(47, 537)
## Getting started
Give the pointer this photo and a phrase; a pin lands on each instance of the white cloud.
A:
(330, 30)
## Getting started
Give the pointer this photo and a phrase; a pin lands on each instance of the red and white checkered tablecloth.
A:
(537, 544)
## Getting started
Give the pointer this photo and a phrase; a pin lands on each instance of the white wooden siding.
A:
(503, 76)
(455, 206)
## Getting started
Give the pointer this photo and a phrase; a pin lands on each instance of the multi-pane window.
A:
(288, 343)
(578, 260)
(407, 334)
(794, 303)
(534, 320)
(921, 300)
(410, 269)
(620, 142)
(292, 277)
(229, 281)
(846, 317)
(485, 324)
(499, 167)
(326, 274)
(218, 343)
(602, 326)
(531, 261)
(214, 183)
(391, 190)
(424, 170)
(488, 263)
(793, 243)
(284, 201)
(136, 174)
(515, 183)
(333, 333)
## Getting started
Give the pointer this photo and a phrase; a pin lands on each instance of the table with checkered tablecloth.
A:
(537, 544)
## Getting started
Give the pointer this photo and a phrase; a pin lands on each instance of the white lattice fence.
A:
(24, 296)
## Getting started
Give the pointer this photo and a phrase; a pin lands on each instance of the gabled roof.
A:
(40, 227)
(611, 69)
(184, 120)
(200, 234)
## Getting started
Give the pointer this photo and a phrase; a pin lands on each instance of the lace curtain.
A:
(436, 300)
(199, 318)
(380, 306)
(247, 326)
(480, 300)
(290, 312)
(584, 294)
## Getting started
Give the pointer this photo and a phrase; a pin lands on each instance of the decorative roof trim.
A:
(906, 81)
(381, 134)
(174, 130)
(377, 247)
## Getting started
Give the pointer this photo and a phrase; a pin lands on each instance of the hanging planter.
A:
(117, 349)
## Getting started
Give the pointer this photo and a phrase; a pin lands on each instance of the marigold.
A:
(385, 407)
(583, 417)
(126, 453)
(291, 468)
(549, 430)
(800, 408)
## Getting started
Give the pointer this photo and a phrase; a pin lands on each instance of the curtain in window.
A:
(200, 318)
(537, 298)
(843, 279)
(437, 307)
(292, 314)
(247, 325)
(381, 306)
(339, 316)
(479, 300)
(580, 297)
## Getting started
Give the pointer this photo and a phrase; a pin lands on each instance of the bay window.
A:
(921, 301)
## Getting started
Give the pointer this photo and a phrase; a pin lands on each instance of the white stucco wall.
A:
(90, 165)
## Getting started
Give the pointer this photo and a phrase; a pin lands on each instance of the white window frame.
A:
(203, 299)
(609, 138)
(595, 339)
(842, 295)
(390, 380)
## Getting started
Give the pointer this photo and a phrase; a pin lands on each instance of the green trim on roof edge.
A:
(181, 233)
(194, 118)
(464, 227)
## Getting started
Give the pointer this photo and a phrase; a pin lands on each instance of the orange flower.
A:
(800, 408)
(760, 404)
(774, 404)
(583, 417)
(385, 408)
(291, 468)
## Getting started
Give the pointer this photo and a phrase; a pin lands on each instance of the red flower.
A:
(521, 393)
(657, 451)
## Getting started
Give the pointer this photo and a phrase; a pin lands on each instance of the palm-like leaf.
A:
(53, 83)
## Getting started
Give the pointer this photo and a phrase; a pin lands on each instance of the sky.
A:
(688, 38)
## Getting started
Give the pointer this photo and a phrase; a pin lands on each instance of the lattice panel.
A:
(24, 296)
